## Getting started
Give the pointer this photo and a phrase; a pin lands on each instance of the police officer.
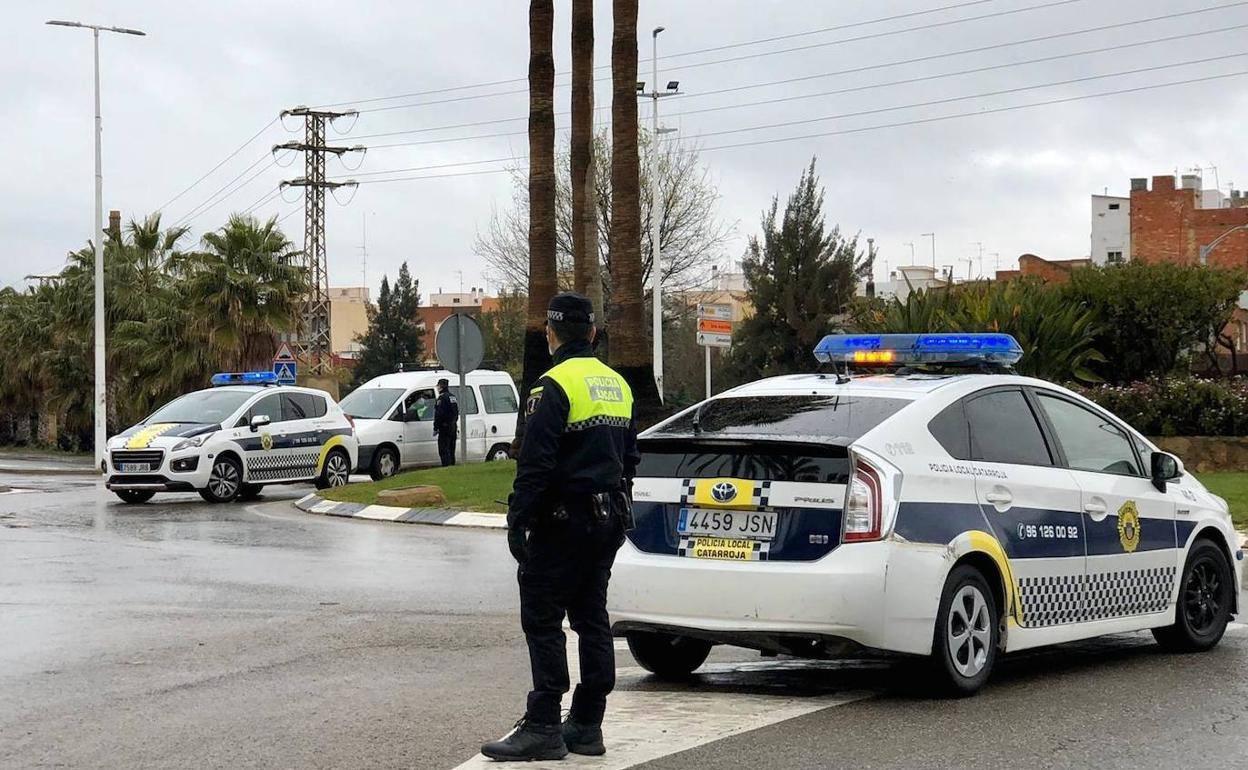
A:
(446, 422)
(566, 520)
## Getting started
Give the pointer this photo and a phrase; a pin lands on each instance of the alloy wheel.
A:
(336, 471)
(223, 481)
(1202, 596)
(969, 631)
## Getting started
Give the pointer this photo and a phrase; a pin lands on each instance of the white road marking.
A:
(642, 726)
(1236, 629)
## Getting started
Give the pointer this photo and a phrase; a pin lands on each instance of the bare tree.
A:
(692, 234)
(542, 279)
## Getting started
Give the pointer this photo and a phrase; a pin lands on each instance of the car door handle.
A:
(999, 497)
(1096, 509)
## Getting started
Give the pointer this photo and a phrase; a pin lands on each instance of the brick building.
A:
(1050, 270)
(1176, 223)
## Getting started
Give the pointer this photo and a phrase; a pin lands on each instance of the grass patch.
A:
(1233, 487)
(474, 487)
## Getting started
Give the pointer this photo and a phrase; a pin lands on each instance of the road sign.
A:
(715, 326)
(713, 340)
(460, 349)
(284, 365)
(721, 312)
(285, 371)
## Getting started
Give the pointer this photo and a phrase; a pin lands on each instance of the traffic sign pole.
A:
(707, 348)
(463, 388)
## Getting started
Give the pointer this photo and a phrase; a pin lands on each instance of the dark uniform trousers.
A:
(446, 445)
(567, 570)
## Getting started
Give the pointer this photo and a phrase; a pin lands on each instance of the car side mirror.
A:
(1165, 467)
(259, 421)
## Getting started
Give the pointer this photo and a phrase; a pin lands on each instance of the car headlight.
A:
(191, 443)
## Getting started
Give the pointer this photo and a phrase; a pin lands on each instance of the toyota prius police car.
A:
(229, 441)
(947, 509)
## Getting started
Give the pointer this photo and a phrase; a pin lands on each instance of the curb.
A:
(49, 470)
(314, 503)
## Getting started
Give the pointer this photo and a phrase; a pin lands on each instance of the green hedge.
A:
(1178, 406)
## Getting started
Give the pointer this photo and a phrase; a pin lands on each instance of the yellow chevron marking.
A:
(143, 439)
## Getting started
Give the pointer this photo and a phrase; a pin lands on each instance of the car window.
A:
(370, 403)
(1090, 441)
(419, 405)
(950, 429)
(499, 399)
(204, 406)
(838, 416)
(270, 406)
(302, 406)
(1004, 429)
(467, 400)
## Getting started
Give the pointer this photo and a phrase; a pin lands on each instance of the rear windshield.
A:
(830, 416)
(761, 460)
(370, 403)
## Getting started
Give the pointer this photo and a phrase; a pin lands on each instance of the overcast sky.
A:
(209, 75)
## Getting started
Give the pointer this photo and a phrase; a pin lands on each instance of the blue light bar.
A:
(888, 349)
(244, 378)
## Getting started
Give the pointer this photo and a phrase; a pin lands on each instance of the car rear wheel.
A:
(225, 480)
(134, 496)
(498, 452)
(667, 656)
(964, 648)
(336, 472)
(1204, 605)
(385, 464)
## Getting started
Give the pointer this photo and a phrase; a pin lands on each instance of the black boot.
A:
(529, 741)
(583, 739)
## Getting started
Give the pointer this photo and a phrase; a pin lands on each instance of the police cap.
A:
(570, 307)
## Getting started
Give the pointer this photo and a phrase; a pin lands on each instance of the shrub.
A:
(1178, 406)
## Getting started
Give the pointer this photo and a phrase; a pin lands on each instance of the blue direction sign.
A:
(284, 365)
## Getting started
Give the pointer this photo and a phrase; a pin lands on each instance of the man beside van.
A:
(446, 422)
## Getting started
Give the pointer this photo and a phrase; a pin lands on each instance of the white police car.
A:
(938, 510)
(232, 439)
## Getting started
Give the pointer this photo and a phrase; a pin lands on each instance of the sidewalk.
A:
(313, 503)
(46, 463)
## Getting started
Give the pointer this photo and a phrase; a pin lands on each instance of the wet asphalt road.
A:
(179, 634)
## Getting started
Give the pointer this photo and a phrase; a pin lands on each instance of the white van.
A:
(393, 417)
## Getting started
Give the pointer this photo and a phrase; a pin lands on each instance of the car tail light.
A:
(863, 505)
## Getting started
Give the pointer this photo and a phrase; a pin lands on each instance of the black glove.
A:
(518, 543)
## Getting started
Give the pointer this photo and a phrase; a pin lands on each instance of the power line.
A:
(210, 204)
(212, 170)
(924, 78)
(442, 176)
(430, 168)
(872, 36)
(801, 78)
(854, 114)
(986, 111)
(508, 81)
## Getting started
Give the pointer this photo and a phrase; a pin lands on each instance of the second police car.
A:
(229, 441)
(954, 513)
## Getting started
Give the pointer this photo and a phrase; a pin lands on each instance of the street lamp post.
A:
(101, 397)
(656, 208)
(1207, 249)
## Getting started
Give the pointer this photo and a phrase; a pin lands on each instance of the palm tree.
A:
(587, 278)
(543, 278)
(630, 351)
(245, 288)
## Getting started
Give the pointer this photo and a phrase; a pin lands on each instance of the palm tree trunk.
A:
(630, 351)
(542, 271)
(587, 278)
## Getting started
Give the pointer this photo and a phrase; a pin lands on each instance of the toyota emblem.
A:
(724, 492)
